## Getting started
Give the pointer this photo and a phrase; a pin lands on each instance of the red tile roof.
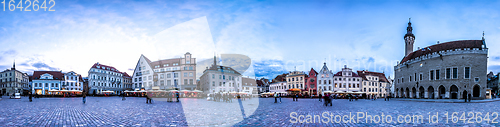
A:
(57, 75)
(381, 76)
(106, 67)
(461, 44)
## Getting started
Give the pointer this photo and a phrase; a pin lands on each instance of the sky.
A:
(278, 36)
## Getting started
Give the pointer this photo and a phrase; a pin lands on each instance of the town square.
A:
(249, 63)
(113, 111)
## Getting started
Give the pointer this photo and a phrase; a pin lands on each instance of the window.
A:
(185, 81)
(431, 75)
(176, 75)
(402, 80)
(437, 74)
(410, 79)
(191, 81)
(169, 75)
(455, 73)
(161, 76)
(213, 76)
(415, 76)
(169, 82)
(467, 72)
(420, 76)
(185, 74)
(448, 73)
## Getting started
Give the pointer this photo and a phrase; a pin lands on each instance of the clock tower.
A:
(409, 39)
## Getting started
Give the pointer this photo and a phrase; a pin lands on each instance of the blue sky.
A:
(278, 36)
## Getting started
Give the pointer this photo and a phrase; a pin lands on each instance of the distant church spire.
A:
(484, 42)
(14, 65)
(215, 60)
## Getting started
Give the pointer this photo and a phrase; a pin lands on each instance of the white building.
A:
(219, 78)
(249, 85)
(325, 80)
(103, 78)
(278, 87)
(374, 83)
(346, 81)
(14, 81)
(176, 73)
(72, 81)
(46, 81)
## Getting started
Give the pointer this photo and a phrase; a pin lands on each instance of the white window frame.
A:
(469, 72)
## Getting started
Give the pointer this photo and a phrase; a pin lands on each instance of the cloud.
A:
(269, 68)
(370, 60)
(43, 66)
(494, 68)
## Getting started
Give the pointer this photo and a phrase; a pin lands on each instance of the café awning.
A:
(294, 89)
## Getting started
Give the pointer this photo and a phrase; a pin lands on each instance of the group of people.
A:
(222, 97)
(169, 95)
(276, 96)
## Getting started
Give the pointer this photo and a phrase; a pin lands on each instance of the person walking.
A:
(177, 95)
(84, 98)
(320, 97)
(29, 94)
(296, 97)
(123, 97)
(275, 97)
(280, 97)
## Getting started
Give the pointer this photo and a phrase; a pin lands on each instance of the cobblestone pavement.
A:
(112, 111)
(279, 114)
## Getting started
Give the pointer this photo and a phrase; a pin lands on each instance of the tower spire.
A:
(14, 65)
(484, 42)
(409, 39)
(215, 60)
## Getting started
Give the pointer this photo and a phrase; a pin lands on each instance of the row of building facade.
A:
(325, 81)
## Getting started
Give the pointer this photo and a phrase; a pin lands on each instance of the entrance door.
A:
(454, 92)
(464, 95)
(476, 91)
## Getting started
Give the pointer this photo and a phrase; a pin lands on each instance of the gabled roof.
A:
(381, 76)
(126, 75)
(324, 68)
(57, 75)
(313, 71)
(444, 46)
(279, 78)
(106, 67)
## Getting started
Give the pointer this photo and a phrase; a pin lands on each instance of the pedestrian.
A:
(469, 97)
(320, 97)
(296, 97)
(280, 97)
(275, 97)
(84, 98)
(177, 95)
(123, 97)
(29, 94)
